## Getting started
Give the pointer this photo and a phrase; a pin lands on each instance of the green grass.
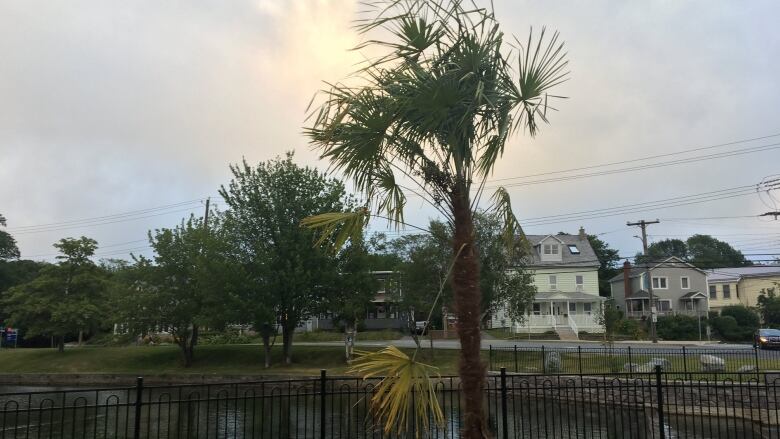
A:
(214, 359)
(316, 336)
(504, 334)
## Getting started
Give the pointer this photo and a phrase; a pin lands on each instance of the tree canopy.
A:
(65, 298)
(8, 248)
(288, 278)
(703, 251)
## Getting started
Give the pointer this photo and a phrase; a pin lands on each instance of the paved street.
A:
(407, 342)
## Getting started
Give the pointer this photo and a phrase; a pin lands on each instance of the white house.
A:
(565, 272)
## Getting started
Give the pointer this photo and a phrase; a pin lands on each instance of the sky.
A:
(109, 107)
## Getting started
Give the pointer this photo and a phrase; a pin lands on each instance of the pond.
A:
(109, 413)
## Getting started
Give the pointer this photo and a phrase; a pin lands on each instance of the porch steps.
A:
(565, 333)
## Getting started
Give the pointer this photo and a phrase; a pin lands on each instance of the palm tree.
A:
(430, 117)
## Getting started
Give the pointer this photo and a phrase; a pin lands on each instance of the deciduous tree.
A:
(65, 298)
(287, 275)
(8, 248)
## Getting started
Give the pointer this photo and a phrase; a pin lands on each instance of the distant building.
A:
(741, 285)
(678, 288)
(381, 313)
(565, 272)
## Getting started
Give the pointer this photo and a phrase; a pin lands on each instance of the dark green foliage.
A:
(681, 327)
(192, 283)
(288, 278)
(8, 248)
(736, 323)
(703, 251)
(608, 259)
(769, 306)
(610, 317)
(63, 299)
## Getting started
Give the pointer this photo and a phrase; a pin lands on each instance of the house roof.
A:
(637, 270)
(737, 273)
(641, 294)
(586, 257)
(693, 295)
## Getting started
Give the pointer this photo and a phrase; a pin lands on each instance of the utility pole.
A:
(775, 214)
(643, 225)
(206, 215)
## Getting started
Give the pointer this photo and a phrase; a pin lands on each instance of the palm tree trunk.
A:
(465, 286)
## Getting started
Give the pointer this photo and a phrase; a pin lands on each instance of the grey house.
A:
(678, 288)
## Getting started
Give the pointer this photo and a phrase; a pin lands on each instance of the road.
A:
(407, 342)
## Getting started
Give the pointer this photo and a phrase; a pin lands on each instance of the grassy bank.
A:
(216, 359)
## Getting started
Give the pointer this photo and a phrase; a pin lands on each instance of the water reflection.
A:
(287, 412)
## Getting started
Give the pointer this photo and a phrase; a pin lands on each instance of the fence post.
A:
(544, 366)
(504, 414)
(630, 364)
(490, 357)
(685, 364)
(755, 355)
(139, 390)
(323, 390)
(660, 393)
(517, 367)
(579, 358)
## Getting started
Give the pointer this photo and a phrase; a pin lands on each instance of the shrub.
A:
(631, 328)
(745, 317)
(679, 327)
(230, 337)
(729, 330)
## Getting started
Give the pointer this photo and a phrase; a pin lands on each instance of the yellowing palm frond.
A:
(405, 390)
(338, 226)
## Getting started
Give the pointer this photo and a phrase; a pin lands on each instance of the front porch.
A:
(577, 312)
(692, 304)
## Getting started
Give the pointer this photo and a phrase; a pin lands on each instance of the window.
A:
(548, 249)
(660, 283)
(553, 282)
(685, 283)
(573, 249)
(713, 292)
(554, 249)
(587, 307)
(579, 281)
(572, 308)
(665, 305)
(727, 291)
(537, 309)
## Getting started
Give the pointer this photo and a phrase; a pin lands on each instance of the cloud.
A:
(109, 106)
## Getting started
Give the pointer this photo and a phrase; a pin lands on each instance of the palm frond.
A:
(540, 67)
(512, 231)
(337, 227)
(406, 388)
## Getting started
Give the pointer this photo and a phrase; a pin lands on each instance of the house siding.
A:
(719, 302)
(566, 279)
(750, 288)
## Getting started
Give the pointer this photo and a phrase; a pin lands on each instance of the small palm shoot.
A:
(406, 388)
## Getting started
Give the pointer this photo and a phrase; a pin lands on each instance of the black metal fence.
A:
(639, 405)
(685, 361)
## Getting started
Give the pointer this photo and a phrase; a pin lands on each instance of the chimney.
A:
(626, 279)
(583, 236)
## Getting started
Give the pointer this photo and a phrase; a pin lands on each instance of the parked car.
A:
(767, 338)
(421, 327)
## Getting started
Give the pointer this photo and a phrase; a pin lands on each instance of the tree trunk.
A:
(61, 343)
(81, 337)
(287, 336)
(265, 333)
(465, 286)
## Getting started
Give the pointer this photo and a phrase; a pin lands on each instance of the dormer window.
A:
(551, 249)
(573, 249)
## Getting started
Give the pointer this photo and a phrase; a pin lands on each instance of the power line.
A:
(101, 223)
(105, 217)
(751, 150)
(622, 162)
